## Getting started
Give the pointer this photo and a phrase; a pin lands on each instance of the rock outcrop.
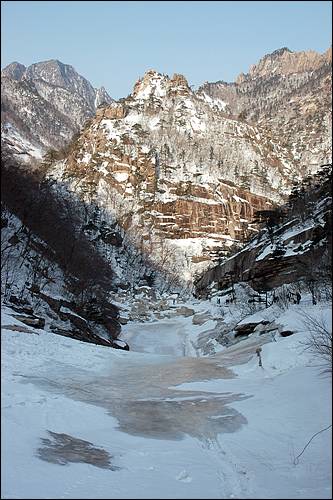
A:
(298, 248)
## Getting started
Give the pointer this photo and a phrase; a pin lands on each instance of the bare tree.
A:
(319, 342)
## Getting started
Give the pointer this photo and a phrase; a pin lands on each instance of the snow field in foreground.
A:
(48, 385)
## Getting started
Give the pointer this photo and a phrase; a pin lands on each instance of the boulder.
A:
(185, 311)
(245, 328)
(120, 344)
(97, 312)
(17, 301)
(84, 336)
(113, 327)
(54, 303)
(23, 309)
(266, 327)
(79, 322)
(200, 319)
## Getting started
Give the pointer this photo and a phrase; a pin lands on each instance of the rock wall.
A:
(300, 248)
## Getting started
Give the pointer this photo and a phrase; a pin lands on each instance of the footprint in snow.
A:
(184, 476)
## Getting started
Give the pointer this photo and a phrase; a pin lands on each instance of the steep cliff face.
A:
(181, 175)
(298, 247)
(289, 94)
(44, 105)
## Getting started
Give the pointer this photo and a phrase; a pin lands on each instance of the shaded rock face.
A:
(265, 274)
(299, 248)
(290, 95)
(44, 105)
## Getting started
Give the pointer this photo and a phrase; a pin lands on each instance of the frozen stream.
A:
(161, 421)
(140, 390)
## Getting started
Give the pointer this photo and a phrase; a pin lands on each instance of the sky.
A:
(113, 43)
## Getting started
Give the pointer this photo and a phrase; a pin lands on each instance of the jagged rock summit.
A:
(284, 62)
(157, 85)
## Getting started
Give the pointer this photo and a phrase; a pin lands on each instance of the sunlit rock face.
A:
(180, 174)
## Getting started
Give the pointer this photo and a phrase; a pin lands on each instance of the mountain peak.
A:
(52, 71)
(179, 80)
(57, 102)
(14, 70)
(151, 73)
(58, 74)
(152, 84)
(102, 97)
(283, 62)
(279, 52)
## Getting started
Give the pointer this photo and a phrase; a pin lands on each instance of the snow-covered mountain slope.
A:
(295, 244)
(289, 94)
(44, 105)
(84, 421)
(47, 274)
(179, 175)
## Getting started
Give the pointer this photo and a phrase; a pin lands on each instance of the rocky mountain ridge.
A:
(44, 105)
(284, 62)
(289, 94)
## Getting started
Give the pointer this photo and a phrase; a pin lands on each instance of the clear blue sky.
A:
(114, 43)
